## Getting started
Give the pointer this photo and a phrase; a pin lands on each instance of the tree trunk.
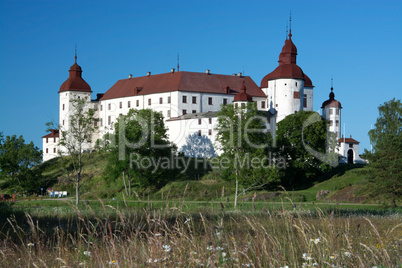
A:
(77, 189)
(124, 181)
(236, 193)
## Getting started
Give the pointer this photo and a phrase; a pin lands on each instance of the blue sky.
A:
(358, 43)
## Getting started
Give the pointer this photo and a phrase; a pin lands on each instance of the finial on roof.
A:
(332, 94)
(75, 57)
(178, 61)
(290, 25)
(287, 31)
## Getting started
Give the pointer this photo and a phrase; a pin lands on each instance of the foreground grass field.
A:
(184, 234)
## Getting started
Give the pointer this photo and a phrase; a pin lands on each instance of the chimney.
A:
(130, 76)
(234, 74)
(350, 136)
(208, 72)
(239, 74)
(148, 73)
(172, 70)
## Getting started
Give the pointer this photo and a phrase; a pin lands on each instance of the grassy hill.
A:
(343, 184)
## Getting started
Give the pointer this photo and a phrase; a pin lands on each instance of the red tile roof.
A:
(287, 66)
(75, 82)
(348, 140)
(243, 96)
(182, 81)
(331, 102)
(54, 133)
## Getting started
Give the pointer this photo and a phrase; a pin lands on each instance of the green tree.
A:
(20, 162)
(142, 154)
(294, 139)
(386, 160)
(246, 148)
(75, 140)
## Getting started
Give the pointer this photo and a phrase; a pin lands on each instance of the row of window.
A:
(331, 123)
(209, 132)
(47, 150)
(47, 139)
(331, 111)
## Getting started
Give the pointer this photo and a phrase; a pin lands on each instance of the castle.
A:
(189, 101)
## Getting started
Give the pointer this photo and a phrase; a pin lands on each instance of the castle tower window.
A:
(168, 113)
(194, 111)
(54, 139)
(225, 101)
(47, 150)
(331, 123)
(109, 120)
(63, 122)
(210, 101)
(194, 100)
(149, 101)
(47, 140)
(337, 111)
(331, 111)
(263, 105)
(305, 100)
(296, 95)
(337, 123)
(54, 150)
(101, 107)
(129, 104)
(184, 99)
(243, 105)
(137, 103)
(121, 105)
(209, 132)
(184, 111)
(199, 122)
(63, 106)
(160, 100)
(350, 145)
(199, 132)
(101, 123)
(168, 99)
(109, 106)
(210, 121)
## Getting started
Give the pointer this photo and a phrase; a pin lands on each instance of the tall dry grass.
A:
(170, 237)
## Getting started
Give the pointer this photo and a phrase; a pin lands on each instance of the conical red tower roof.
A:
(243, 96)
(75, 82)
(287, 65)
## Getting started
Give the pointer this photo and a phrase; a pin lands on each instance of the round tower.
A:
(331, 111)
(74, 87)
(287, 86)
(241, 99)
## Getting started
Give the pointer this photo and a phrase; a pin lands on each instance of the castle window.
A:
(54, 139)
(47, 140)
(137, 103)
(337, 123)
(121, 105)
(63, 107)
(194, 100)
(236, 105)
(47, 150)
(263, 105)
(337, 111)
(109, 120)
(101, 107)
(54, 150)
(243, 105)
(296, 84)
(101, 122)
(168, 99)
(350, 145)
(199, 132)
(209, 132)
(184, 111)
(210, 101)
(331, 123)
(194, 111)
(296, 95)
(331, 111)
(210, 120)
(184, 99)
(168, 113)
(63, 122)
(109, 106)
(199, 122)
(225, 101)
(285, 84)
(129, 104)
(149, 101)
(160, 100)
(95, 123)
(305, 100)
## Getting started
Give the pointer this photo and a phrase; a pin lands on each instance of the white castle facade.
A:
(189, 101)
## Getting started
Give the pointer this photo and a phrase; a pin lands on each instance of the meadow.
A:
(177, 233)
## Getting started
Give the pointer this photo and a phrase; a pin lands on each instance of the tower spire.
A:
(287, 31)
(75, 57)
(178, 66)
(290, 25)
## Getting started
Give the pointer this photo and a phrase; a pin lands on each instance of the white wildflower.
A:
(166, 248)
(187, 220)
(316, 241)
(348, 254)
(87, 253)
